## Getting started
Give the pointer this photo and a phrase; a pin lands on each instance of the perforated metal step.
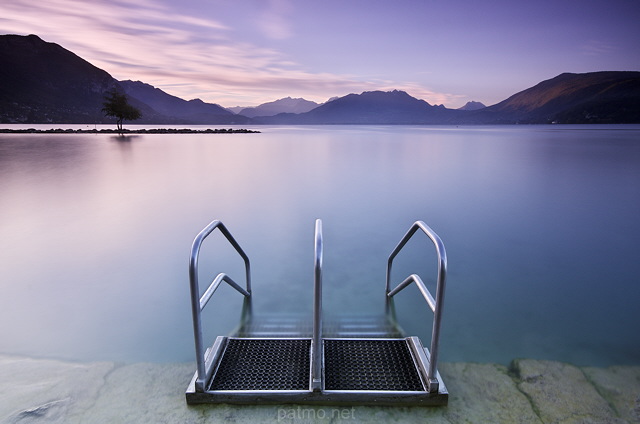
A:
(369, 371)
(371, 365)
(264, 364)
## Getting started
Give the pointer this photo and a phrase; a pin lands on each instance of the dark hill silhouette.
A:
(595, 97)
(42, 82)
(193, 111)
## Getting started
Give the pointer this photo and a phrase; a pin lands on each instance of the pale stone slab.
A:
(144, 393)
(484, 393)
(561, 393)
(620, 386)
(49, 391)
(42, 390)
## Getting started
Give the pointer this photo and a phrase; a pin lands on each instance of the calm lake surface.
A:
(541, 226)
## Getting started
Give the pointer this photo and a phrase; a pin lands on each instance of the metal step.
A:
(276, 325)
(373, 371)
(264, 364)
(340, 326)
(370, 365)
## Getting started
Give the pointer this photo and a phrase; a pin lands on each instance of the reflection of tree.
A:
(117, 105)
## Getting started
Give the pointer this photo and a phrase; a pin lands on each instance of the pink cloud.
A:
(187, 56)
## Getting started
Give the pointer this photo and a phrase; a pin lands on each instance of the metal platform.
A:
(281, 358)
(356, 371)
(371, 365)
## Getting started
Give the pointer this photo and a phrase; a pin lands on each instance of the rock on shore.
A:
(529, 391)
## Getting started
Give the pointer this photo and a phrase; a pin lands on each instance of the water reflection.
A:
(121, 138)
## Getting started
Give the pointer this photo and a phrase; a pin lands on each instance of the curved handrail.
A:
(440, 250)
(214, 286)
(316, 369)
(435, 305)
(415, 278)
(198, 303)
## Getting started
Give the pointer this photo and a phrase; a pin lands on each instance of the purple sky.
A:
(247, 52)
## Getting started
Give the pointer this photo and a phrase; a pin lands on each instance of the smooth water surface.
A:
(540, 223)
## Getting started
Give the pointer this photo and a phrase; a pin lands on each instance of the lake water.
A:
(541, 225)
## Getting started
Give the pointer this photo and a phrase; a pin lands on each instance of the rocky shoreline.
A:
(528, 391)
(126, 131)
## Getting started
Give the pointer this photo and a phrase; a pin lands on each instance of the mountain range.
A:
(286, 105)
(370, 107)
(193, 111)
(42, 82)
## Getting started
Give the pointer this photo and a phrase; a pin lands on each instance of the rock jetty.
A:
(126, 131)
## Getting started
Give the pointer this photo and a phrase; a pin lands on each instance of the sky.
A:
(247, 52)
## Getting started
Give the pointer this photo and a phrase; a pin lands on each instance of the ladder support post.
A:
(316, 355)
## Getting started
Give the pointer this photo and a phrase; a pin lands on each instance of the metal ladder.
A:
(344, 360)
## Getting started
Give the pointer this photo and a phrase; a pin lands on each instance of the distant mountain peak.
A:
(391, 97)
(284, 105)
(472, 105)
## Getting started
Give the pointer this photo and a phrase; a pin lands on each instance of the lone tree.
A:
(116, 105)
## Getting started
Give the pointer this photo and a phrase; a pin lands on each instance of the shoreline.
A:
(527, 391)
(127, 131)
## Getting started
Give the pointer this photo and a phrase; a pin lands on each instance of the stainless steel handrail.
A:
(316, 358)
(435, 305)
(415, 278)
(204, 367)
(214, 286)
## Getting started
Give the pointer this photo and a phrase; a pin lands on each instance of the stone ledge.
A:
(561, 393)
(619, 386)
(529, 391)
